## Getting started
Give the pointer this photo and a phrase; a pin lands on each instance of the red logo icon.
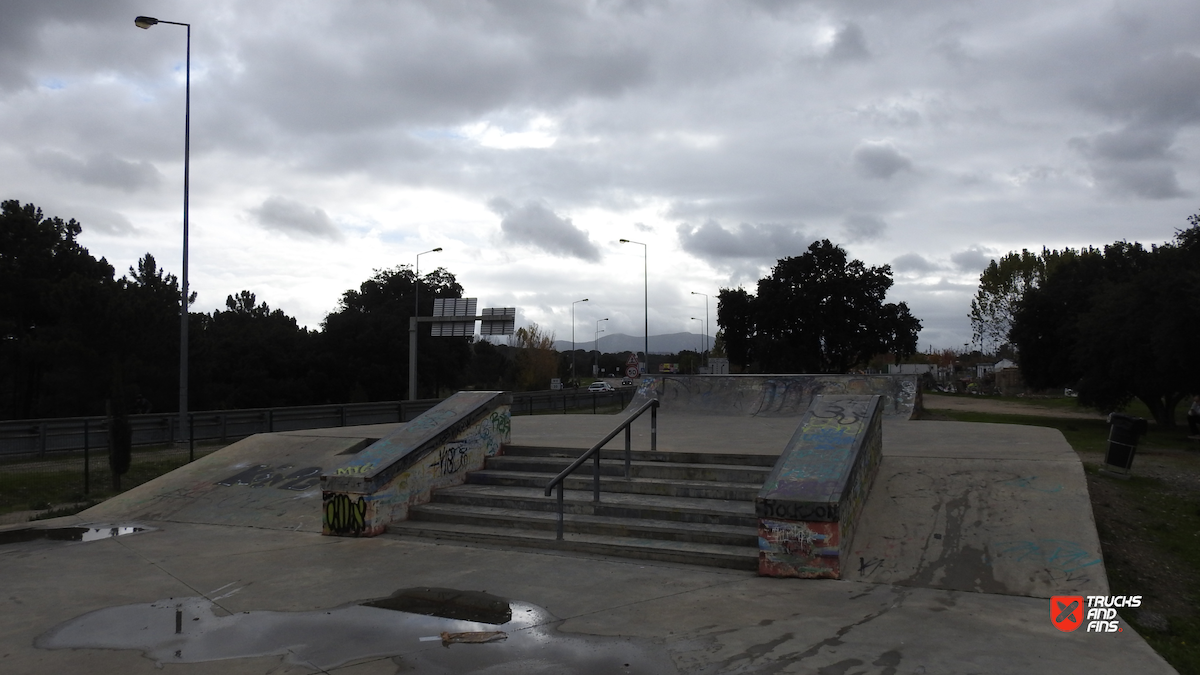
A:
(1066, 612)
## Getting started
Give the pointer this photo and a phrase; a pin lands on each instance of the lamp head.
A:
(145, 21)
(436, 249)
(624, 241)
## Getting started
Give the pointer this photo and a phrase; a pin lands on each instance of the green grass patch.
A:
(32, 490)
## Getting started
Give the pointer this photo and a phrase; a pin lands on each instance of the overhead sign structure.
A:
(455, 317)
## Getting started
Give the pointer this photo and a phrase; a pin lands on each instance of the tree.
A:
(251, 356)
(53, 295)
(817, 313)
(364, 345)
(1116, 324)
(537, 362)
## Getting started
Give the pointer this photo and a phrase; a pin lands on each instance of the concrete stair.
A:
(695, 508)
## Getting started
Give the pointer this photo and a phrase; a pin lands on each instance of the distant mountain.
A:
(616, 343)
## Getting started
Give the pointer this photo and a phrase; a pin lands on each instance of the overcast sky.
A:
(525, 138)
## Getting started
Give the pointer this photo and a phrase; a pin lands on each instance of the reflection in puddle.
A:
(189, 630)
(82, 533)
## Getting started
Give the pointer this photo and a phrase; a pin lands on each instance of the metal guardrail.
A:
(43, 437)
(594, 452)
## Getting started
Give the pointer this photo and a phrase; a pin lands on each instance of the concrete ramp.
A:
(268, 480)
(775, 395)
(990, 508)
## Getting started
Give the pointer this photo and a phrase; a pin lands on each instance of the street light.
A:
(412, 358)
(596, 345)
(146, 22)
(573, 335)
(646, 283)
(705, 326)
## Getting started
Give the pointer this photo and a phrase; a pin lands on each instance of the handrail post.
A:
(560, 511)
(596, 478)
(654, 427)
(628, 451)
(86, 459)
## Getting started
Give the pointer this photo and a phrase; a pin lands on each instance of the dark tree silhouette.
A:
(816, 313)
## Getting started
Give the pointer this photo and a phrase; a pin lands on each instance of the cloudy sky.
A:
(526, 137)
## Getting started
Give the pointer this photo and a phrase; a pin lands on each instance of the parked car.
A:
(600, 385)
(627, 382)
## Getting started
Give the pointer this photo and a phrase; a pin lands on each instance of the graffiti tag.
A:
(263, 475)
(343, 516)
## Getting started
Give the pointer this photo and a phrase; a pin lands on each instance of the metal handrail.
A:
(652, 406)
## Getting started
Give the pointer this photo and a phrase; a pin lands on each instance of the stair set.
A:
(694, 508)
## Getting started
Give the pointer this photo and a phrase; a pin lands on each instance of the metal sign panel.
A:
(505, 322)
(454, 307)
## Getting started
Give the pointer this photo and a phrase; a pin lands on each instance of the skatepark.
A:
(963, 533)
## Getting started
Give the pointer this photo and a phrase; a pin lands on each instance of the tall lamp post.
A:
(145, 22)
(412, 359)
(646, 298)
(596, 345)
(705, 326)
(573, 336)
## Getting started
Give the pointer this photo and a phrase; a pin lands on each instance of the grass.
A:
(57, 485)
(1149, 526)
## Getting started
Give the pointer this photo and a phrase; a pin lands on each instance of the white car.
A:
(600, 385)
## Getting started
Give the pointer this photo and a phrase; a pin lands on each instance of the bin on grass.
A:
(1123, 435)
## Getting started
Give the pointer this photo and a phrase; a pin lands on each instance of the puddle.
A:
(81, 533)
(193, 630)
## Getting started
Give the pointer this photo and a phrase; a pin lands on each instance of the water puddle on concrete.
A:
(81, 533)
(192, 630)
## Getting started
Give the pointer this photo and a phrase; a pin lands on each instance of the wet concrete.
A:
(82, 533)
(196, 630)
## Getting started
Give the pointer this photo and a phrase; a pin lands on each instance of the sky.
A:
(527, 137)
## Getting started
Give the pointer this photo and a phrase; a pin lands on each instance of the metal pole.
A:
(183, 314)
(412, 326)
(86, 461)
(191, 437)
(412, 359)
(596, 478)
(628, 451)
(654, 428)
(706, 328)
(646, 306)
(560, 511)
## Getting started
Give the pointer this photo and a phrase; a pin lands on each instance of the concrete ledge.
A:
(376, 486)
(777, 395)
(808, 508)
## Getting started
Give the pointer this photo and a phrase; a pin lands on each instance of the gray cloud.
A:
(295, 219)
(103, 169)
(849, 44)
(879, 160)
(710, 241)
(973, 259)
(861, 227)
(912, 262)
(535, 225)
(1132, 161)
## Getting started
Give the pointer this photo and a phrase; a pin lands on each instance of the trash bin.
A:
(1123, 436)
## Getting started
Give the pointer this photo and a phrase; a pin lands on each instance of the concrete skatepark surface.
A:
(968, 529)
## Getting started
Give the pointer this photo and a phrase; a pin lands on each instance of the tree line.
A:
(77, 340)
(1113, 323)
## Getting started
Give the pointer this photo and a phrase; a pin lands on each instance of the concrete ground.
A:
(957, 544)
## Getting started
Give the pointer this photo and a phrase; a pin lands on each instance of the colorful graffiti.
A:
(355, 470)
(798, 549)
(343, 516)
